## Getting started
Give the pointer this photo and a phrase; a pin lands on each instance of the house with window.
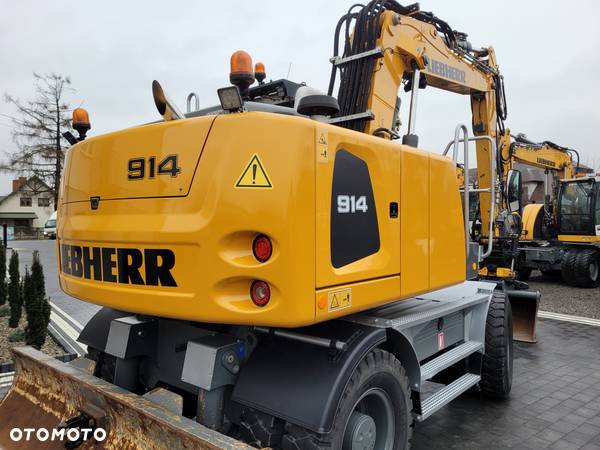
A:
(27, 208)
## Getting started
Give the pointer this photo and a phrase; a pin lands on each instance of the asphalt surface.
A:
(559, 298)
(78, 310)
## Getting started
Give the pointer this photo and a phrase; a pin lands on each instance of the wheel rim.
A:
(371, 425)
(594, 270)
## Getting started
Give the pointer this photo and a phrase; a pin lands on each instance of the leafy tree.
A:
(2, 274)
(37, 306)
(37, 132)
(15, 300)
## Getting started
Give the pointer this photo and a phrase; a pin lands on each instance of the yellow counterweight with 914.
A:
(162, 220)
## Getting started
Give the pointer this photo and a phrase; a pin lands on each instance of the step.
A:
(445, 360)
(446, 394)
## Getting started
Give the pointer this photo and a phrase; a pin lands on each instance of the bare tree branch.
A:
(37, 133)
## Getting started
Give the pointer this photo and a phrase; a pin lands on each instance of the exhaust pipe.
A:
(164, 104)
(524, 305)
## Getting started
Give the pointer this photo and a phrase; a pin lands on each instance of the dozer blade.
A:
(46, 392)
(524, 305)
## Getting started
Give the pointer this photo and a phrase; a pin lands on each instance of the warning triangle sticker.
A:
(334, 302)
(254, 175)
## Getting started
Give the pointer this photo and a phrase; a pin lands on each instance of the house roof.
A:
(18, 215)
(32, 179)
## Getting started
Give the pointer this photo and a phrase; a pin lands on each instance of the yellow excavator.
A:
(275, 271)
(560, 236)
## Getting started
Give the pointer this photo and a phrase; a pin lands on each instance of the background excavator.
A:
(272, 271)
(560, 236)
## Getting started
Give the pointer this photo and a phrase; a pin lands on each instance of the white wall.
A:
(13, 204)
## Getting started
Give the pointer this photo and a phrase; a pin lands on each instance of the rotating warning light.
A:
(81, 122)
(259, 72)
(241, 73)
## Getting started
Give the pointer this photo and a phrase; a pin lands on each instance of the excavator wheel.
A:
(568, 267)
(497, 367)
(261, 430)
(587, 268)
(374, 411)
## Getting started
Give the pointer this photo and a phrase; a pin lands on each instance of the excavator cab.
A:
(579, 207)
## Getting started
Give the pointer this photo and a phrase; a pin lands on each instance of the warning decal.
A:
(322, 146)
(254, 175)
(340, 299)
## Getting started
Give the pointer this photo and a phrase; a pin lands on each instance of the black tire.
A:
(523, 273)
(379, 371)
(568, 267)
(261, 430)
(587, 268)
(497, 365)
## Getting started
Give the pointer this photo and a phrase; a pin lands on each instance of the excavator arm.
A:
(545, 155)
(418, 49)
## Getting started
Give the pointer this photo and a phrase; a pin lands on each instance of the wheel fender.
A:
(403, 350)
(532, 221)
(303, 383)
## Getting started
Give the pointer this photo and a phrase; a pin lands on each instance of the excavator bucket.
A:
(50, 395)
(524, 305)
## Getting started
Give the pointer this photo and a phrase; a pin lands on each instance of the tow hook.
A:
(90, 417)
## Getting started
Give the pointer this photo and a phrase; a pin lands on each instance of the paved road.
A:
(78, 310)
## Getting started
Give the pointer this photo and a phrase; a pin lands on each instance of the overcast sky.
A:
(112, 50)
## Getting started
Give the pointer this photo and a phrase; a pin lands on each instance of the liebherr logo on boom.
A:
(446, 71)
(546, 162)
(119, 265)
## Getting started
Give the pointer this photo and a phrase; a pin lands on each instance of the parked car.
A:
(50, 227)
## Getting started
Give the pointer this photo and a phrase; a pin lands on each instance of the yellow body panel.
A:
(96, 160)
(210, 228)
(574, 238)
(531, 213)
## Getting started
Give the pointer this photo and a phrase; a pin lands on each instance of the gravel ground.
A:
(559, 298)
(50, 347)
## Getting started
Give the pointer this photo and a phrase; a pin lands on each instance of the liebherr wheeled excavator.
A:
(275, 270)
(560, 236)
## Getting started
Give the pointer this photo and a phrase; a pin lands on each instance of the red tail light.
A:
(260, 293)
(262, 248)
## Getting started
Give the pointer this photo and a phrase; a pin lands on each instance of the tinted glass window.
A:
(576, 207)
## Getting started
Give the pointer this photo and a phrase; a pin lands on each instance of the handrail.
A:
(466, 139)
(189, 102)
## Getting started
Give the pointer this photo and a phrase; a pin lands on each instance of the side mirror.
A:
(513, 191)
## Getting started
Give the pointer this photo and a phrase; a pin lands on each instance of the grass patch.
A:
(17, 336)
(4, 311)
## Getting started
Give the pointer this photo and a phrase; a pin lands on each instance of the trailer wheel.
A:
(587, 268)
(374, 412)
(497, 365)
(568, 267)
